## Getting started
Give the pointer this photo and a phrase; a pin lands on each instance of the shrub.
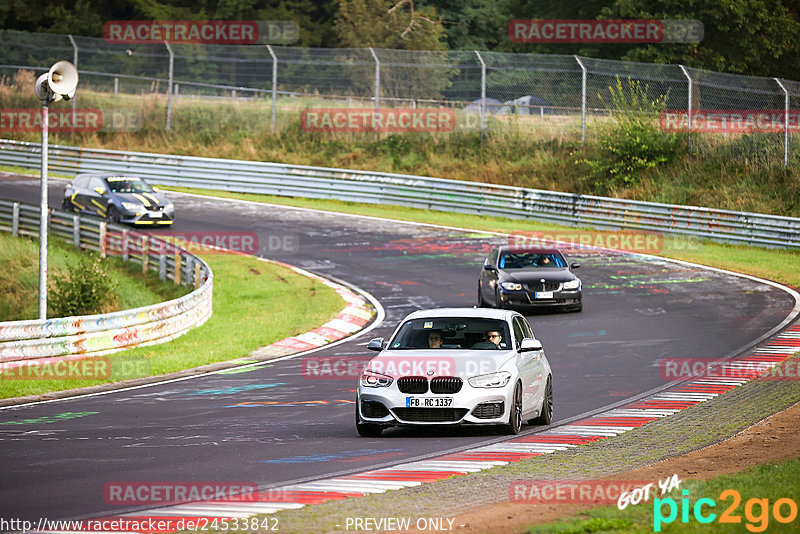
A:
(87, 288)
(631, 143)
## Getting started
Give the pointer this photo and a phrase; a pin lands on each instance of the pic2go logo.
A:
(756, 511)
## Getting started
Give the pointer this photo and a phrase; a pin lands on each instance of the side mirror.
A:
(488, 267)
(529, 344)
(156, 189)
(99, 190)
(575, 265)
(375, 344)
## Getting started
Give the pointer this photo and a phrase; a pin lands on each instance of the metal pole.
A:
(483, 92)
(689, 107)
(785, 123)
(169, 86)
(274, 85)
(43, 217)
(377, 86)
(583, 99)
(74, 62)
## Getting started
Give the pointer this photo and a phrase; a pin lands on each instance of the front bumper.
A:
(146, 217)
(525, 298)
(477, 406)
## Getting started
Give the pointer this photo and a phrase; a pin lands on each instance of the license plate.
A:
(543, 295)
(156, 214)
(428, 402)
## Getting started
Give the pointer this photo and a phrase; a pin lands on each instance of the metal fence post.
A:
(76, 231)
(162, 261)
(583, 99)
(169, 84)
(15, 219)
(483, 92)
(689, 107)
(274, 85)
(785, 123)
(377, 85)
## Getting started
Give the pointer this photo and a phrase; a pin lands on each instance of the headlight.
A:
(373, 379)
(132, 206)
(493, 380)
(512, 286)
(572, 284)
(169, 208)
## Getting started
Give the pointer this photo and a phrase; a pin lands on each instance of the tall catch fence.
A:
(565, 93)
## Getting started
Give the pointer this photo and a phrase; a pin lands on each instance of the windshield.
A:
(452, 333)
(531, 260)
(122, 184)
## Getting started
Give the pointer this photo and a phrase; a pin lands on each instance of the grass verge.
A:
(19, 261)
(774, 264)
(255, 303)
(758, 489)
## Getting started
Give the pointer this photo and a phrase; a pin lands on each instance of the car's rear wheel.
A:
(515, 413)
(112, 215)
(367, 430)
(546, 411)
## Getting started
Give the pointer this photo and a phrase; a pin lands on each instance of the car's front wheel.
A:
(546, 411)
(515, 413)
(367, 430)
(112, 215)
(66, 205)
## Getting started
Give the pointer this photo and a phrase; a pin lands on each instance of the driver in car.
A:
(435, 340)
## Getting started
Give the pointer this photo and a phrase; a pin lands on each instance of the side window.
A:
(493, 257)
(526, 328)
(519, 332)
(94, 183)
(81, 183)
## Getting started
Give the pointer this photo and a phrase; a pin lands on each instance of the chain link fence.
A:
(564, 93)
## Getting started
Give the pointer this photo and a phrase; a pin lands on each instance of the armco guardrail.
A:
(416, 191)
(50, 340)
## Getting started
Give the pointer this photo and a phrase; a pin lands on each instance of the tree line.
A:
(755, 37)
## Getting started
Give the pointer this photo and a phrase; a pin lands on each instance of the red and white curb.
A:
(598, 427)
(356, 314)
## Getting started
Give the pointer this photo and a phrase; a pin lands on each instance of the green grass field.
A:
(255, 303)
(19, 285)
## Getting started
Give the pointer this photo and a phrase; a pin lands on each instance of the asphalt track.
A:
(271, 425)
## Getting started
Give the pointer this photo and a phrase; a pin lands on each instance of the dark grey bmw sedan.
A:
(526, 278)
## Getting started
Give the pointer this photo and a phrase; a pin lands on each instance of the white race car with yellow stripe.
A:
(118, 198)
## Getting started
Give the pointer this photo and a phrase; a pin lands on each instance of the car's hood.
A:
(148, 200)
(535, 275)
(439, 362)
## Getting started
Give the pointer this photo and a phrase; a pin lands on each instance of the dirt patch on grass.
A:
(772, 440)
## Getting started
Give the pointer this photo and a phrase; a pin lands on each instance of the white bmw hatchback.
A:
(454, 366)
